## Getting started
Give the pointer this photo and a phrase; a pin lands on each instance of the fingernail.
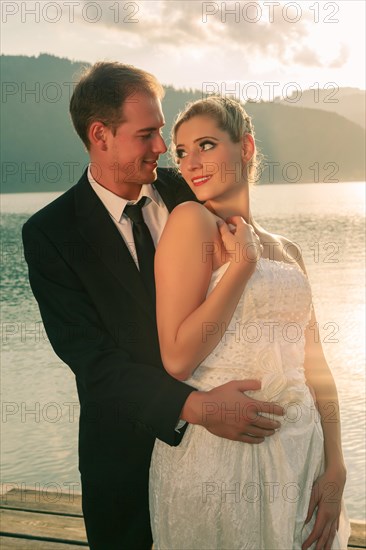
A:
(219, 222)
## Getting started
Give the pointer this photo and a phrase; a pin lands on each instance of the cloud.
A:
(307, 57)
(249, 27)
(342, 58)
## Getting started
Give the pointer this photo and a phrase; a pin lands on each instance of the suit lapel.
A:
(99, 231)
(166, 194)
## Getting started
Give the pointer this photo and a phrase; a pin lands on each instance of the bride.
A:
(234, 302)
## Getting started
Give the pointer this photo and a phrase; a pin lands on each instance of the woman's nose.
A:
(194, 161)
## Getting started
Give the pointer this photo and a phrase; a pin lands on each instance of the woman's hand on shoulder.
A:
(242, 244)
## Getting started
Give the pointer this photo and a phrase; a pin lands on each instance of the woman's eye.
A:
(180, 153)
(207, 145)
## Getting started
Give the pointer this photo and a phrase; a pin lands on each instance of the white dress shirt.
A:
(154, 212)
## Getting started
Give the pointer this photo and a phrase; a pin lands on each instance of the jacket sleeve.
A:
(147, 396)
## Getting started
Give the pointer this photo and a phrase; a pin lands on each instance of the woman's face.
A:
(209, 161)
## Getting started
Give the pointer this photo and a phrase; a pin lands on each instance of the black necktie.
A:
(144, 244)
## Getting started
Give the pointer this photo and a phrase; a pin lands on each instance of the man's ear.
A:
(98, 135)
(248, 148)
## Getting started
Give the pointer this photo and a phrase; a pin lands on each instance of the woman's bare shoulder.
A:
(191, 207)
(191, 214)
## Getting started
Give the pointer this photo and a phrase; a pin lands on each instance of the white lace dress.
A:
(214, 493)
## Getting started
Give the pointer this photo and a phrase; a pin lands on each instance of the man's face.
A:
(133, 152)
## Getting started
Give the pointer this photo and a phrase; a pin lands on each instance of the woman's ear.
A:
(248, 148)
(98, 135)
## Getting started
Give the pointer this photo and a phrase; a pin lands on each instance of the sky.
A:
(258, 49)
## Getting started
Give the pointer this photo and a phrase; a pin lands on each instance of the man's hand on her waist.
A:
(226, 411)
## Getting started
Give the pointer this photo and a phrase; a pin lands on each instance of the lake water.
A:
(40, 405)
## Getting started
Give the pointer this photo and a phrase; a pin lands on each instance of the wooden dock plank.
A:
(58, 517)
(52, 526)
(12, 543)
(42, 501)
(358, 534)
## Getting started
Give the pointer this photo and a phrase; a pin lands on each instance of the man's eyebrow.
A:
(198, 139)
(152, 129)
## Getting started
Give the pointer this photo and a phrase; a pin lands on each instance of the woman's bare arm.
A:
(190, 324)
(328, 488)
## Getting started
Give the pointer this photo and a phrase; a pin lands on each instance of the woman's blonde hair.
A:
(229, 115)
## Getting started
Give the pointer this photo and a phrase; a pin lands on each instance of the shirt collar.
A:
(115, 204)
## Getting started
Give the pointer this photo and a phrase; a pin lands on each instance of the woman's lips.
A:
(200, 180)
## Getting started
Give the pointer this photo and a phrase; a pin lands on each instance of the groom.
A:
(90, 259)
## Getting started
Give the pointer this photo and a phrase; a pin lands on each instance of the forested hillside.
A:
(41, 152)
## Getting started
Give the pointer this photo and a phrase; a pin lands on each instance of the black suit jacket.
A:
(101, 322)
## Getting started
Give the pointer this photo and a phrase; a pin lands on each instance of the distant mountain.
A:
(308, 145)
(41, 151)
(347, 102)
